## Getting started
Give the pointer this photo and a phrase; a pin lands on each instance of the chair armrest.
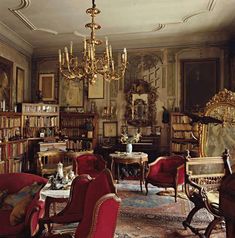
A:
(180, 173)
(39, 164)
(33, 214)
(154, 168)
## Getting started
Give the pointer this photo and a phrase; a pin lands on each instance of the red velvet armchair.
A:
(14, 182)
(98, 210)
(166, 171)
(91, 164)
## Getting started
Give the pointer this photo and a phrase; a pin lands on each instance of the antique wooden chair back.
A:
(47, 160)
(220, 134)
(203, 176)
(227, 204)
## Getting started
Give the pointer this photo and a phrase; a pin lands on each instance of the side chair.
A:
(91, 164)
(90, 201)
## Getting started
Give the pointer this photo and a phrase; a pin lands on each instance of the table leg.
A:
(118, 172)
(141, 176)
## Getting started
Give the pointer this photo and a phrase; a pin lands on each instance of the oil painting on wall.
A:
(71, 93)
(6, 70)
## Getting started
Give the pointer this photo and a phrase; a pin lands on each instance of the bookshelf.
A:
(80, 129)
(13, 149)
(13, 156)
(10, 124)
(181, 134)
(39, 119)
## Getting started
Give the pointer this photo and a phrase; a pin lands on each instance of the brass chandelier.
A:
(91, 65)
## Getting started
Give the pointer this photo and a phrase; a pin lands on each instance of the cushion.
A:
(14, 198)
(3, 195)
(18, 213)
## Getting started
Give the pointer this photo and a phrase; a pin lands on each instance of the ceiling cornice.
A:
(12, 39)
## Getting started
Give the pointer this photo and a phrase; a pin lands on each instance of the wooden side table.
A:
(139, 158)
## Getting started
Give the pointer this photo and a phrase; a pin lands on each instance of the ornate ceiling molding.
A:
(16, 11)
(160, 26)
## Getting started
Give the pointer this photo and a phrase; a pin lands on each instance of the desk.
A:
(139, 158)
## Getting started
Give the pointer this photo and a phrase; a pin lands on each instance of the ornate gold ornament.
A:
(90, 65)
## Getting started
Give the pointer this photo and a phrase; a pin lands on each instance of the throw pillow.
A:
(18, 213)
(13, 199)
(3, 195)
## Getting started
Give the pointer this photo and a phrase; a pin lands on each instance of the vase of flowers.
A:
(129, 148)
(129, 140)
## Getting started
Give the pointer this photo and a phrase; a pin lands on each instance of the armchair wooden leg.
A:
(189, 218)
(176, 193)
(146, 188)
(212, 225)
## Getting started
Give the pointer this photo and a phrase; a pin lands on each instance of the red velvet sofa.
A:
(14, 182)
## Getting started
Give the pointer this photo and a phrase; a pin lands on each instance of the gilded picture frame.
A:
(6, 78)
(20, 78)
(71, 93)
(96, 90)
(110, 129)
(47, 86)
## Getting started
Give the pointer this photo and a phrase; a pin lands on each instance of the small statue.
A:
(60, 172)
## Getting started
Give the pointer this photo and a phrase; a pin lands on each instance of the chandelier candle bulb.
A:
(110, 52)
(60, 56)
(84, 45)
(71, 47)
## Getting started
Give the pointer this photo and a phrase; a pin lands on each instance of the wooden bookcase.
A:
(80, 129)
(181, 134)
(39, 119)
(13, 149)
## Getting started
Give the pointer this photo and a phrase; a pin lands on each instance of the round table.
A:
(139, 158)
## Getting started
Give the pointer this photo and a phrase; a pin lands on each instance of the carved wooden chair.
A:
(47, 160)
(227, 204)
(203, 177)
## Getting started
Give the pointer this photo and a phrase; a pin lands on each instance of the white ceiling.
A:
(43, 26)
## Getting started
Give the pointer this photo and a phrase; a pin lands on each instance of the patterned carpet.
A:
(155, 215)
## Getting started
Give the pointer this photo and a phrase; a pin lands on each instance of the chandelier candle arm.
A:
(91, 65)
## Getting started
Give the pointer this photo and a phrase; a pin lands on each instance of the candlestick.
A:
(71, 47)
(59, 56)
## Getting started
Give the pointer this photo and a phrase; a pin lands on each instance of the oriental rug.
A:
(156, 215)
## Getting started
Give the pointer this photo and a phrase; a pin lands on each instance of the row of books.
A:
(182, 135)
(35, 121)
(72, 122)
(178, 147)
(11, 166)
(9, 122)
(8, 133)
(32, 108)
(12, 150)
(182, 127)
(79, 145)
(180, 119)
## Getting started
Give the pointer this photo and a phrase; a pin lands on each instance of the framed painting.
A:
(46, 86)
(6, 75)
(96, 91)
(20, 77)
(71, 93)
(110, 129)
(198, 77)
